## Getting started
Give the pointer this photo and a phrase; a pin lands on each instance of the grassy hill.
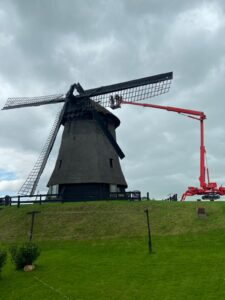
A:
(99, 250)
(100, 220)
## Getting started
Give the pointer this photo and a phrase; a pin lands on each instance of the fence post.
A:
(40, 200)
(7, 200)
(18, 202)
(149, 232)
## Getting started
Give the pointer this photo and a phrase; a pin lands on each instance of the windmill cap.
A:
(77, 107)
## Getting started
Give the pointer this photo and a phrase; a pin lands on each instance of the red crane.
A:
(208, 190)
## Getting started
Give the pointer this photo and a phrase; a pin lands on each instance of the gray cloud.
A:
(45, 46)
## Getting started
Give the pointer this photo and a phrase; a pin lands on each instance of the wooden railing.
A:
(54, 198)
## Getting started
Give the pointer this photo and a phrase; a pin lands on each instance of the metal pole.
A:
(202, 155)
(32, 213)
(18, 202)
(149, 232)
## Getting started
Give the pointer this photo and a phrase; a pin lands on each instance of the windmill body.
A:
(87, 167)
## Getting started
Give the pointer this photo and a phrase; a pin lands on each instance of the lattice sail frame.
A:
(135, 94)
(17, 102)
(30, 185)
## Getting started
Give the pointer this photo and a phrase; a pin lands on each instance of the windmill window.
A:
(60, 163)
(111, 162)
(54, 189)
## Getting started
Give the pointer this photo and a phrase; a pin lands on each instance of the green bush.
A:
(3, 256)
(24, 255)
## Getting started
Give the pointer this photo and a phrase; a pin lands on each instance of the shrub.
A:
(3, 256)
(24, 255)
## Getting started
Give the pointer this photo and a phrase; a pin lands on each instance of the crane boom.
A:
(209, 190)
(169, 108)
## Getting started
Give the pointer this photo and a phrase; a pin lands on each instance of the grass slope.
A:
(99, 251)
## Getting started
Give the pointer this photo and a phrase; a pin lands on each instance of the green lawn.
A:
(99, 251)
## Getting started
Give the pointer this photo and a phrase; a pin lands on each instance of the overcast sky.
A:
(47, 45)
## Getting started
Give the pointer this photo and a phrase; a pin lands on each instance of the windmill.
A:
(87, 166)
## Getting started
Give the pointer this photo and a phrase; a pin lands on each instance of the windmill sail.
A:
(133, 90)
(19, 102)
(30, 185)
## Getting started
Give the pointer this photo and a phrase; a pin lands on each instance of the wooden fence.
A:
(54, 198)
